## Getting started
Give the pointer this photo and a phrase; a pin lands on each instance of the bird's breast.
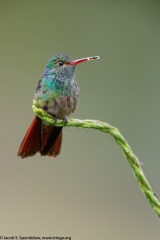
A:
(62, 106)
(57, 101)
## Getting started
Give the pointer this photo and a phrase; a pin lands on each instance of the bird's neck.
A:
(61, 85)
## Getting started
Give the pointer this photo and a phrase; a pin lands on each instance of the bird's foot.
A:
(54, 118)
(65, 120)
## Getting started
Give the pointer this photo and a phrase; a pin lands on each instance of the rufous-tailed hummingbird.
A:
(57, 93)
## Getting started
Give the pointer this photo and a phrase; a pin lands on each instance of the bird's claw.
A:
(65, 120)
(54, 118)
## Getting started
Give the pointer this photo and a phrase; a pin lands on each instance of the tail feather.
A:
(50, 140)
(31, 142)
(42, 138)
(53, 150)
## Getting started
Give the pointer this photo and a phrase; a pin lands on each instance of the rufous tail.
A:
(42, 138)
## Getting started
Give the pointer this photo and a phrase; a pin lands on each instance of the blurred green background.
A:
(88, 191)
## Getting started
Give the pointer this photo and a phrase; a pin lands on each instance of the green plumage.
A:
(57, 91)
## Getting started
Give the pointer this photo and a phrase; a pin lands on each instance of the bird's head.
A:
(63, 67)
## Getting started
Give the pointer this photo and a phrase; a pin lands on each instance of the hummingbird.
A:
(57, 93)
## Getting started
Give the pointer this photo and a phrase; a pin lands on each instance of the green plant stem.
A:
(114, 132)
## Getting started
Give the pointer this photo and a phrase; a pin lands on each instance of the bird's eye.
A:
(60, 63)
